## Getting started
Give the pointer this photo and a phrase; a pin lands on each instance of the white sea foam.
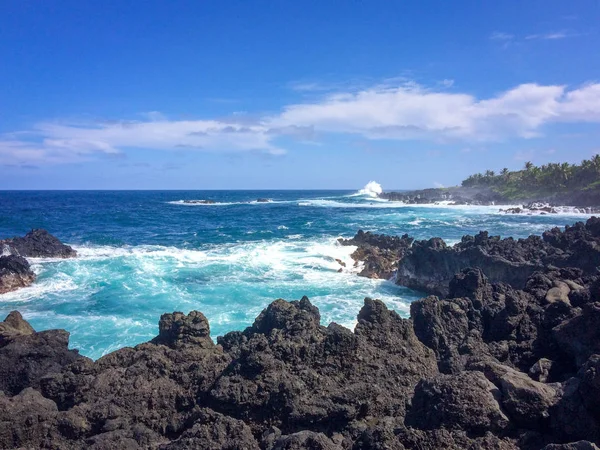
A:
(201, 202)
(371, 189)
(570, 211)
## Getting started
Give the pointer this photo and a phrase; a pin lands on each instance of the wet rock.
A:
(15, 273)
(37, 244)
(518, 371)
(430, 265)
(379, 253)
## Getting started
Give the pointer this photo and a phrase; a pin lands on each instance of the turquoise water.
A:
(145, 253)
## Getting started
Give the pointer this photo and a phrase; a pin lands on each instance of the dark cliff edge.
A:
(491, 365)
(15, 270)
(430, 265)
(584, 201)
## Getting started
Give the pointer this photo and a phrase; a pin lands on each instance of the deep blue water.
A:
(143, 253)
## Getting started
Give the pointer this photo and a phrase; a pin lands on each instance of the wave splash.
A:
(371, 189)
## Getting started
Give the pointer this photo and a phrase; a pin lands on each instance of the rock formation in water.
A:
(430, 265)
(37, 244)
(379, 253)
(15, 271)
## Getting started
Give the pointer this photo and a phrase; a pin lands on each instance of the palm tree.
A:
(528, 166)
(564, 171)
(596, 163)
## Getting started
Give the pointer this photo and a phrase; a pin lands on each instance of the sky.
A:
(313, 94)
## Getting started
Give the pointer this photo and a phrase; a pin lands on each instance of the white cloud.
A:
(407, 111)
(551, 36)
(501, 36)
(418, 113)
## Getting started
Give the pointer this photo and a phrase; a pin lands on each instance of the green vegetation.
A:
(542, 181)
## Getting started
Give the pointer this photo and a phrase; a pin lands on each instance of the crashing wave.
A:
(371, 189)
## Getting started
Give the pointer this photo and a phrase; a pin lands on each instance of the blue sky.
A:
(292, 95)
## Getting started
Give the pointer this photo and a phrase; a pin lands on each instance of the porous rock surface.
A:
(430, 265)
(37, 243)
(489, 366)
(15, 273)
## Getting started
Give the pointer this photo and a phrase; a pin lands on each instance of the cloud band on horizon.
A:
(406, 112)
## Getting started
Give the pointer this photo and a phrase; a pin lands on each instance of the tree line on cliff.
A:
(547, 179)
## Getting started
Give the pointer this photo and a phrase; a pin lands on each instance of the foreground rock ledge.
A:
(493, 367)
(15, 271)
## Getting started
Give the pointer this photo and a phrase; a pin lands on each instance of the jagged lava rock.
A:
(26, 356)
(379, 253)
(37, 244)
(15, 273)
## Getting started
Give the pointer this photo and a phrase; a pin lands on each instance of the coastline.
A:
(481, 196)
(507, 366)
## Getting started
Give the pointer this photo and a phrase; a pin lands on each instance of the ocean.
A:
(143, 253)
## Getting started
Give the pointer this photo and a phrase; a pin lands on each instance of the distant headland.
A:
(554, 184)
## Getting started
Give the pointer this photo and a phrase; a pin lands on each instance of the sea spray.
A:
(140, 256)
(371, 189)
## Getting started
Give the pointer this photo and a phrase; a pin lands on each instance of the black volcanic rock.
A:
(430, 265)
(467, 401)
(15, 273)
(455, 195)
(490, 366)
(178, 329)
(38, 244)
(379, 253)
(26, 356)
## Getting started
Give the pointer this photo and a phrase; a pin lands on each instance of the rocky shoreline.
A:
(482, 196)
(15, 270)
(430, 265)
(505, 359)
